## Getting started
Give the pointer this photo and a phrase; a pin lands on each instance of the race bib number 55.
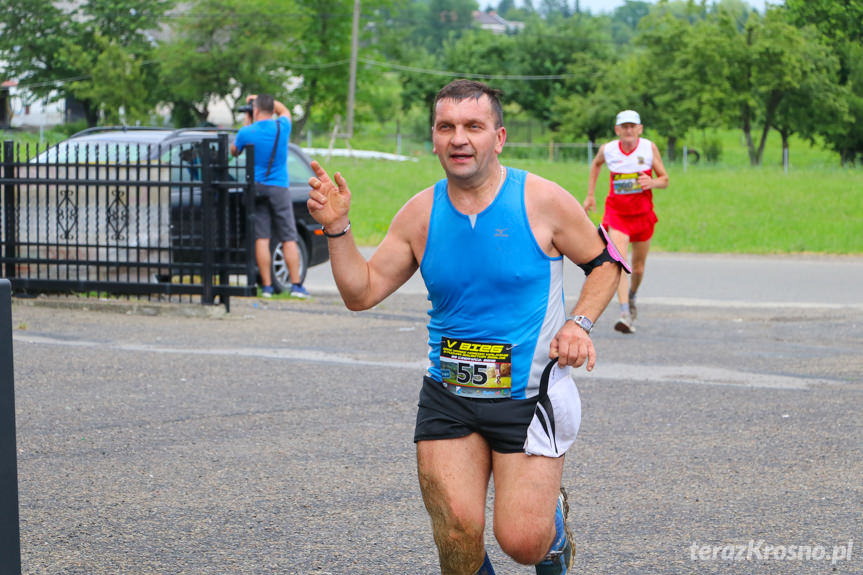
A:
(476, 368)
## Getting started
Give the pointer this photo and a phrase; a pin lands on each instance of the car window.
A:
(93, 152)
(184, 161)
(298, 170)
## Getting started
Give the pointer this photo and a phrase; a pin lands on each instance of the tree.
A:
(668, 99)
(420, 87)
(778, 55)
(625, 19)
(817, 102)
(591, 112)
(228, 49)
(39, 37)
(741, 69)
(572, 47)
(446, 19)
(852, 136)
(478, 52)
(793, 64)
(116, 84)
(322, 54)
(555, 9)
(504, 6)
(631, 13)
(32, 51)
(840, 25)
(127, 23)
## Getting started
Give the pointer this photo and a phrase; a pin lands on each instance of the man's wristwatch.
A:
(582, 322)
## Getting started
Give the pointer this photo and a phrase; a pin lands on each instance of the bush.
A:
(711, 147)
(71, 127)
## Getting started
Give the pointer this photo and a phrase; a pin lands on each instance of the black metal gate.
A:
(133, 219)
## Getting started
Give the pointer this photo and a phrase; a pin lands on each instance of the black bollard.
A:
(10, 535)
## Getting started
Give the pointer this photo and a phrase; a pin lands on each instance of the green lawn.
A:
(816, 209)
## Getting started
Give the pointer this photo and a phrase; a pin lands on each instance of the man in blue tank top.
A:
(489, 242)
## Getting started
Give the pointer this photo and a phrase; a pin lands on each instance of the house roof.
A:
(494, 22)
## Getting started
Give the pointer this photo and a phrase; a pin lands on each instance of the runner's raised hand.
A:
(329, 201)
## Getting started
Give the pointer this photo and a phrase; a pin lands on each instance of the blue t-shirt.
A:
(262, 134)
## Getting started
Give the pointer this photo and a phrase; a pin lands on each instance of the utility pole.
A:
(352, 82)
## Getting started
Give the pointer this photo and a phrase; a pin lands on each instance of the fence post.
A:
(208, 222)
(223, 227)
(685, 156)
(10, 535)
(398, 137)
(10, 232)
(249, 199)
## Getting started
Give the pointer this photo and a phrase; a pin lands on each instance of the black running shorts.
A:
(503, 422)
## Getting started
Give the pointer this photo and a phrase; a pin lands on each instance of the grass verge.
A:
(705, 208)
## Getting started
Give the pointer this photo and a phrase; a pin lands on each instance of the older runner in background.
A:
(636, 170)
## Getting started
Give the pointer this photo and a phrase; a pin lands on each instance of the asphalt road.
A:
(277, 438)
(712, 280)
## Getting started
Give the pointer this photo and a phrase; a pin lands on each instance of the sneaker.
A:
(559, 562)
(297, 290)
(624, 324)
(633, 310)
(267, 291)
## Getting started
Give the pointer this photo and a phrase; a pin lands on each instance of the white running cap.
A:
(628, 117)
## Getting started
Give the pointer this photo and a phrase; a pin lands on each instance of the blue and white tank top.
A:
(497, 297)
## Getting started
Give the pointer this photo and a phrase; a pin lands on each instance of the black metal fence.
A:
(166, 220)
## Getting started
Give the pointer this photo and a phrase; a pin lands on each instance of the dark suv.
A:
(176, 155)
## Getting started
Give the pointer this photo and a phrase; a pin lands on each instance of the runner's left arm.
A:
(660, 176)
(576, 237)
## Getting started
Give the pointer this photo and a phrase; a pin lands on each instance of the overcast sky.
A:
(598, 6)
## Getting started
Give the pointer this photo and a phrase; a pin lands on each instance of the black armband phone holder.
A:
(609, 254)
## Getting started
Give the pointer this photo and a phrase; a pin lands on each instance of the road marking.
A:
(730, 303)
(687, 374)
(698, 374)
(267, 353)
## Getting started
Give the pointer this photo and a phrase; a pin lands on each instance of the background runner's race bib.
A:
(626, 184)
(476, 369)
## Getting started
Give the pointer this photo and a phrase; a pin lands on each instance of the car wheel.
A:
(281, 277)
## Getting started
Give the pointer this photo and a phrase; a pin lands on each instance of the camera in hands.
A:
(247, 107)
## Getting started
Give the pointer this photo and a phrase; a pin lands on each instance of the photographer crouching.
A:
(267, 127)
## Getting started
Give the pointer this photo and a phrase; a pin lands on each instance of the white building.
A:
(20, 109)
(495, 23)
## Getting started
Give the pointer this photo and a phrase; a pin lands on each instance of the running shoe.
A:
(297, 290)
(559, 562)
(633, 310)
(267, 291)
(624, 324)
